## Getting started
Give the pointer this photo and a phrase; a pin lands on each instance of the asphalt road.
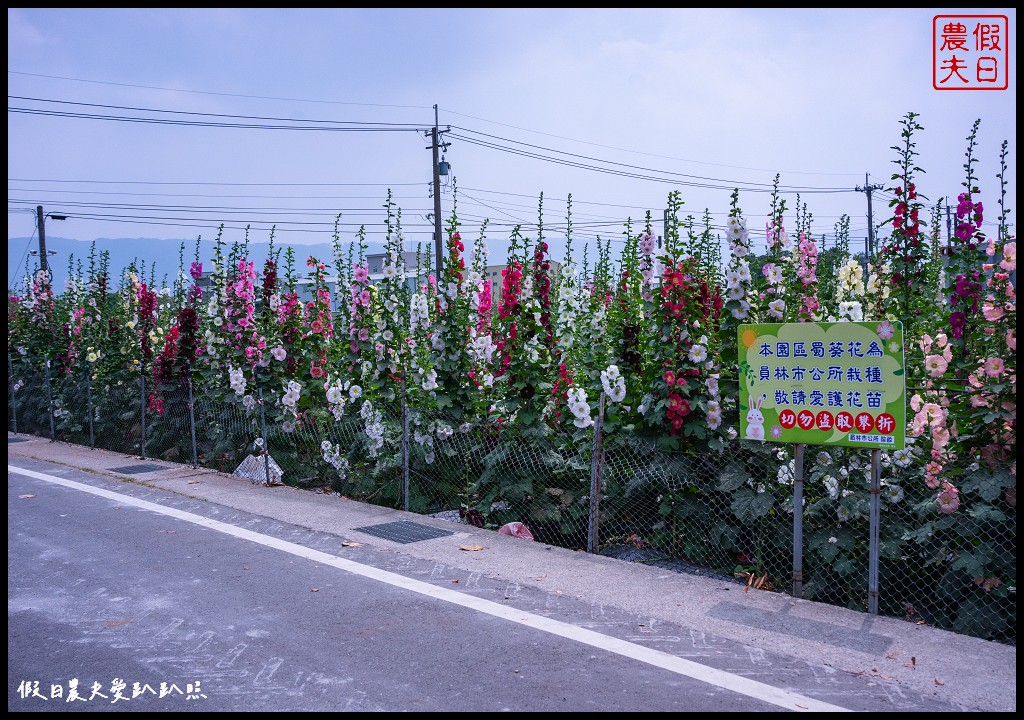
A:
(151, 600)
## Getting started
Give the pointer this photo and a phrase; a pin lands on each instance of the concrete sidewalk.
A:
(964, 671)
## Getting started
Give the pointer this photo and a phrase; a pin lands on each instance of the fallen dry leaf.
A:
(801, 706)
(455, 580)
(890, 656)
(116, 623)
(193, 482)
(471, 547)
(25, 497)
(349, 543)
(541, 577)
(314, 589)
(912, 664)
(939, 682)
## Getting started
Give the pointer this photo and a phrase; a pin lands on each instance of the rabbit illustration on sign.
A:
(755, 420)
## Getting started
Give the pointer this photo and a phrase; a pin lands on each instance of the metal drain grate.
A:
(11, 440)
(137, 469)
(404, 531)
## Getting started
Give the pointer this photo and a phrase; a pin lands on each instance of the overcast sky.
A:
(699, 100)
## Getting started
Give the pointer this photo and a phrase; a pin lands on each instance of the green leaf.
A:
(748, 505)
(989, 485)
(969, 564)
(980, 617)
(732, 476)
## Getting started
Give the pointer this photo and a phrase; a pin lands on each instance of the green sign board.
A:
(821, 383)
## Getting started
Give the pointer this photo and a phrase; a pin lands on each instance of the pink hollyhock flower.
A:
(360, 273)
(934, 412)
(948, 499)
(1011, 339)
(994, 367)
(992, 312)
(915, 402)
(917, 425)
(940, 437)
(670, 377)
(1009, 263)
(935, 365)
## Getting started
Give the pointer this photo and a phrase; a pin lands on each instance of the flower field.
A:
(598, 404)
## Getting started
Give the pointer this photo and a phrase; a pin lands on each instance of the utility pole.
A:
(41, 224)
(868, 189)
(44, 263)
(435, 147)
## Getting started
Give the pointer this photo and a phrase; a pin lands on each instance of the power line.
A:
(210, 195)
(200, 123)
(218, 184)
(638, 152)
(355, 126)
(416, 126)
(789, 188)
(213, 208)
(636, 175)
(219, 94)
(24, 255)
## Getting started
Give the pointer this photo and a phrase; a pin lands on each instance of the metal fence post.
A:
(142, 415)
(874, 530)
(263, 436)
(14, 393)
(593, 523)
(405, 449)
(798, 520)
(192, 422)
(88, 398)
(49, 398)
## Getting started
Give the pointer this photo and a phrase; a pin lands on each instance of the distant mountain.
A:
(158, 259)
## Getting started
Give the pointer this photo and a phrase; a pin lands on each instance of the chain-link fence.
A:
(857, 528)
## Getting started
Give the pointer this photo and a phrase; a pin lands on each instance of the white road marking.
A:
(680, 666)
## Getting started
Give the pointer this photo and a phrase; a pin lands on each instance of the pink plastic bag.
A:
(516, 529)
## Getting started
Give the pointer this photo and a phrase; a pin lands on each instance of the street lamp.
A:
(41, 222)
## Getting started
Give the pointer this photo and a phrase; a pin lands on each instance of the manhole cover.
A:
(137, 469)
(404, 531)
(10, 440)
